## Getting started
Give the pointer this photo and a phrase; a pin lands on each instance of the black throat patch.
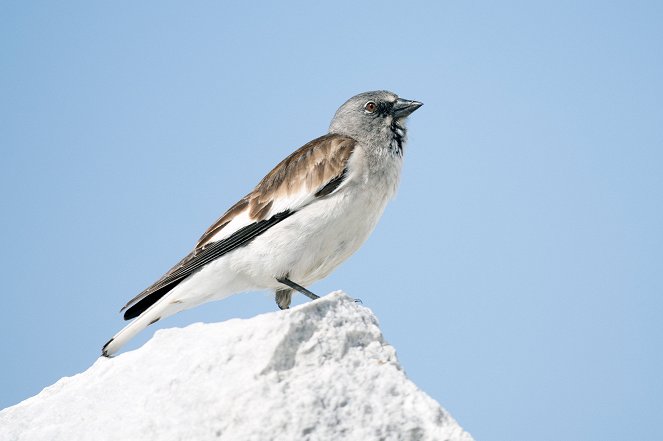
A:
(398, 137)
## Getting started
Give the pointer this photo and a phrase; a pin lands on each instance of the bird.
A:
(302, 220)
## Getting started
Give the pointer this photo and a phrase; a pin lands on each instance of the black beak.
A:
(403, 108)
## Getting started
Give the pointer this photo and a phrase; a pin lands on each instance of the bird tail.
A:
(160, 309)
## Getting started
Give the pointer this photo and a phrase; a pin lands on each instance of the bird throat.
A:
(397, 137)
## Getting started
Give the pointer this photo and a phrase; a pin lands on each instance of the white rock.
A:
(320, 371)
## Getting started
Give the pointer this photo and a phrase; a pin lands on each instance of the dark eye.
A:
(370, 107)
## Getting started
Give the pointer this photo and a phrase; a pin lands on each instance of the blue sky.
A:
(518, 270)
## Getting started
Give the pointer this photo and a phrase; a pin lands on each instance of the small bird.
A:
(309, 214)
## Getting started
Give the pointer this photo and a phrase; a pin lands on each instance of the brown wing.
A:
(318, 167)
(310, 167)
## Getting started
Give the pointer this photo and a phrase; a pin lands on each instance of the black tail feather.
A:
(144, 303)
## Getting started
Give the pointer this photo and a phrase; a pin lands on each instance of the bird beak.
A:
(403, 108)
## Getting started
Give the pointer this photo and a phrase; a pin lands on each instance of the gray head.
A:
(375, 119)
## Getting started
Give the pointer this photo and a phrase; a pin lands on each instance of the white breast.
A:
(310, 244)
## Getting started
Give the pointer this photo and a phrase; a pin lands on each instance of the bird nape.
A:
(302, 220)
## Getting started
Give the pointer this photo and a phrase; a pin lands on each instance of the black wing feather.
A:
(332, 185)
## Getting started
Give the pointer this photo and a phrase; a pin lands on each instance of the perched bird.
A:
(309, 214)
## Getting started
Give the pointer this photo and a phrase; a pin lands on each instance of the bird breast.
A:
(311, 243)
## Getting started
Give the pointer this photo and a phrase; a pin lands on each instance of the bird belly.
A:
(310, 244)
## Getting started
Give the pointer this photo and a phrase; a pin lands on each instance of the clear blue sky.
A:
(519, 270)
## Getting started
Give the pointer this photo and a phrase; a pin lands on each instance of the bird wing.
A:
(312, 172)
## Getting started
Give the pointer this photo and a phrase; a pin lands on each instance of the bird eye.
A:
(370, 107)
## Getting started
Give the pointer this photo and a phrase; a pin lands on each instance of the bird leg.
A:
(283, 297)
(297, 287)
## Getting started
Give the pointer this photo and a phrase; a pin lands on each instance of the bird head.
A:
(373, 118)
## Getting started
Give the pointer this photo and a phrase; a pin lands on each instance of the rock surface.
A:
(320, 371)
